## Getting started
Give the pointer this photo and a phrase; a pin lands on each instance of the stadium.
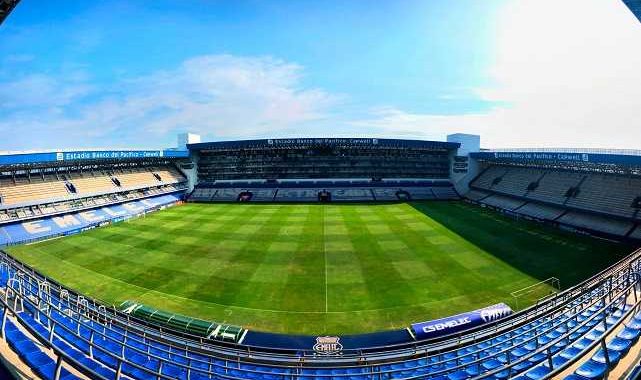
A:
(320, 258)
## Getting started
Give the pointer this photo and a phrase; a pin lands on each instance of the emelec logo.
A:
(446, 325)
(328, 345)
(495, 313)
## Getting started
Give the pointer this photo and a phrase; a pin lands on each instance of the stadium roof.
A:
(64, 156)
(620, 152)
(563, 157)
(635, 7)
(343, 142)
(6, 6)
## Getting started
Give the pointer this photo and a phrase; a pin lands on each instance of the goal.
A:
(534, 293)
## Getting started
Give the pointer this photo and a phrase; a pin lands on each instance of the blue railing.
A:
(91, 338)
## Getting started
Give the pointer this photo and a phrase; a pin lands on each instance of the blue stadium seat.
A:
(40, 362)
(538, 372)
(592, 370)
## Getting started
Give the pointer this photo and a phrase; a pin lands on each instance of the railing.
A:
(349, 356)
(543, 308)
(614, 285)
(80, 310)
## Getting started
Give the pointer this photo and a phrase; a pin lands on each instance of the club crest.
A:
(328, 345)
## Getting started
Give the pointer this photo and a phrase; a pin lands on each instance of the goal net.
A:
(532, 294)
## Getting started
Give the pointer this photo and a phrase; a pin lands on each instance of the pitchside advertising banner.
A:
(460, 322)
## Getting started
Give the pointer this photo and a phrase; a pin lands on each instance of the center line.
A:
(325, 255)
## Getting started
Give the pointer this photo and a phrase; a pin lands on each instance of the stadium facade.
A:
(586, 329)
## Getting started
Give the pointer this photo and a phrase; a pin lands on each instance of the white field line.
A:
(325, 255)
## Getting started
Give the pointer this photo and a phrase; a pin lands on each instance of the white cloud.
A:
(567, 72)
(231, 96)
(41, 91)
(217, 96)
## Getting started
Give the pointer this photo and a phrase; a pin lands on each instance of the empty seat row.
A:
(50, 188)
(105, 341)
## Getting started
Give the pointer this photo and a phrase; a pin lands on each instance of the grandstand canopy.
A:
(635, 7)
(620, 161)
(6, 6)
(11, 160)
(337, 142)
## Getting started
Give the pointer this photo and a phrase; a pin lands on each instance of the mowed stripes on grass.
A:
(319, 268)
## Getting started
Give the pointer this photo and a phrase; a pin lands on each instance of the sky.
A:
(134, 73)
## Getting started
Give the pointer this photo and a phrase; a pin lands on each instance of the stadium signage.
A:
(36, 158)
(328, 345)
(460, 322)
(317, 141)
(576, 157)
(118, 154)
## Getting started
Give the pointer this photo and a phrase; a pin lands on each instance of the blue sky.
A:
(135, 73)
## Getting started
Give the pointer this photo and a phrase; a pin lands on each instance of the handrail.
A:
(546, 348)
(414, 349)
(33, 303)
(619, 270)
(530, 339)
(58, 352)
(160, 359)
(102, 334)
(583, 354)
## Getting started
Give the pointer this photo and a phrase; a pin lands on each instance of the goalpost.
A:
(535, 293)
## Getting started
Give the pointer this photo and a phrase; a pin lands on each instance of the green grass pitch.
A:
(318, 269)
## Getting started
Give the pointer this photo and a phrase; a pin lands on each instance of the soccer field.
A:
(319, 268)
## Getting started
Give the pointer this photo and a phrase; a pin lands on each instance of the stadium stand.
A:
(586, 329)
(636, 234)
(596, 202)
(312, 170)
(203, 194)
(47, 209)
(445, 192)
(42, 227)
(263, 195)
(341, 191)
(553, 186)
(49, 194)
(613, 195)
(297, 195)
(541, 211)
(516, 181)
(26, 191)
(352, 195)
(477, 195)
(323, 159)
(503, 202)
(386, 194)
(597, 223)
